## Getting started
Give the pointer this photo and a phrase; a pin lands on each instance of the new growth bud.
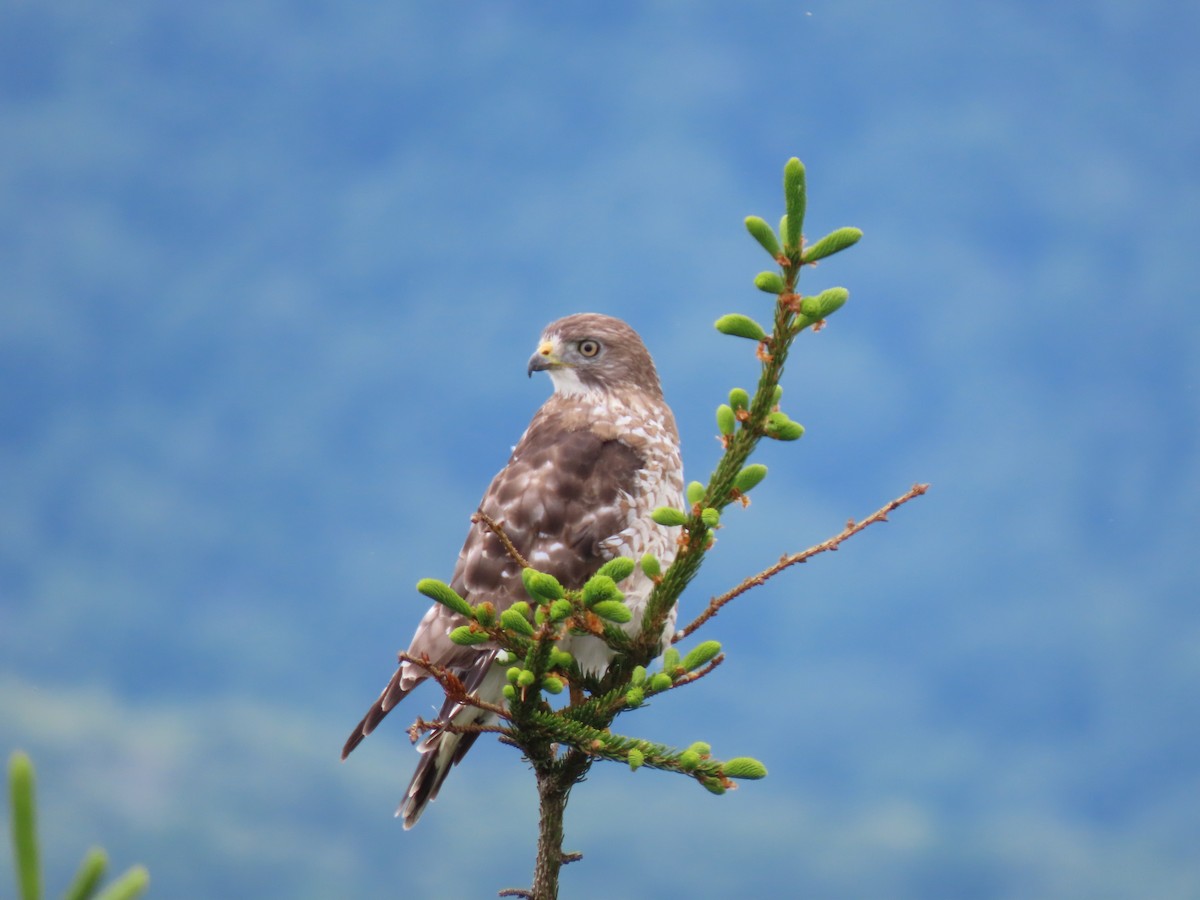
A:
(824, 304)
(762, 233)
(541, 586)
(740, 326)
(613, 611)
(445, 595)
(666, 515)
(599, 588)
(617, 569)
(514, 621)
(744, 767)
(465, 637)
(781, 428)
(832, 243)
(795, 195)
(701, 655)
(726, 420)
(769, 282)
(749, 477)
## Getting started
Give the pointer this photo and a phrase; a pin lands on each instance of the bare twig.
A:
(498, 530)
(420, 726)
(852, 528)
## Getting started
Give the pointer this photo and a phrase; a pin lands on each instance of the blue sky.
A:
(270, 274)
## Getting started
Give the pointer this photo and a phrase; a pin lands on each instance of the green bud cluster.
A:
(824, 304)
(599, 588)
(695, 492)
(739, 400)
(515, 621)
(651, 566)
(541, 586)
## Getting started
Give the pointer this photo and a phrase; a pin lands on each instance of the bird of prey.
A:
(599, 455)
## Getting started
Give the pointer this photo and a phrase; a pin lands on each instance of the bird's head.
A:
(590, 352)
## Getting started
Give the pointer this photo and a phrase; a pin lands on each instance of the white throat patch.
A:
(566, 381)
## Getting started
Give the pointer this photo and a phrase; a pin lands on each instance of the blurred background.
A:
(269, 276)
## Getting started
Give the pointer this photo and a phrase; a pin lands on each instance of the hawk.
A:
(599, 455)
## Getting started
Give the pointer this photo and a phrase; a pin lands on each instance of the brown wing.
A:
(561, 495)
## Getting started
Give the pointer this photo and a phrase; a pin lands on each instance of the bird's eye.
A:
(588, 347)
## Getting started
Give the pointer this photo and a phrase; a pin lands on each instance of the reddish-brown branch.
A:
(452, 686)
(852, 528)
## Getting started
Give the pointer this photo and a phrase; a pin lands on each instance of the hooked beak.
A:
(543, 359)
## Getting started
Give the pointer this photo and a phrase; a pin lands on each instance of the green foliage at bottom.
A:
(26, 853)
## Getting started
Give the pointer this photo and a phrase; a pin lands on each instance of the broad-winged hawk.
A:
(578, 490)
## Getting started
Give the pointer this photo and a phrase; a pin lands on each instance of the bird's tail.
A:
(442, 750)
(406, 678)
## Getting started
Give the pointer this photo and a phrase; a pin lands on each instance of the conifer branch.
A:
(534, 636)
